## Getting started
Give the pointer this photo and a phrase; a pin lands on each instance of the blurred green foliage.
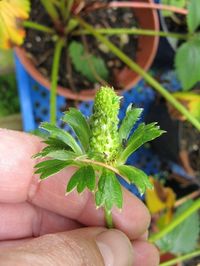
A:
(9, 103)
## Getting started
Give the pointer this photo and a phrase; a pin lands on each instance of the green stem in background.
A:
(178, 220)
(71, 25)
(135, 31)
(68, 9)
(109, 219)
(181, 258)
(37, 26)
(54, 79)
(51, 10)
(147, 77)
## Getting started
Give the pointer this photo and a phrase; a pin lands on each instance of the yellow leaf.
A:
(12, 12)
(160, 198)
(191, 101)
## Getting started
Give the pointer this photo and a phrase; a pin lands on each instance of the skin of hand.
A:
(39, 225)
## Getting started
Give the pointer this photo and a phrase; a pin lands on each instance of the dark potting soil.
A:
(180, 136)
(179, 26)
(40, 46)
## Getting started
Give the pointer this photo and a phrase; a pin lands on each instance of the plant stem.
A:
(68, 9)
(120, 4)
(37, 26)
(109, 167)
(193, 195)
(135, 31)
(54, 79)
(181, 258)
(179, 219)
(109, 219)
(51, 10)
(149, 79)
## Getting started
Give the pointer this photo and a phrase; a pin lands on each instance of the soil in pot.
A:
(40, 46)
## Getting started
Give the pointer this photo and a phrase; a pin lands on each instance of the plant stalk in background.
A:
(150, 80)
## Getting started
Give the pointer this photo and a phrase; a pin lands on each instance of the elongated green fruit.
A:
(104, 124)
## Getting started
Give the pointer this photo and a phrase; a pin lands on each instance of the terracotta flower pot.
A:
(147, 47)
(168, 256)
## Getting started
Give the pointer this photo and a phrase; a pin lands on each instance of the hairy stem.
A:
(178, 220)
(181, 258)
(147, 77)
(135, 31)
(54, 79)
(109, 219)
(37, 26)
(107, 166)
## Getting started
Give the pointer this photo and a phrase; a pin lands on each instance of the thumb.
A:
(87, 246)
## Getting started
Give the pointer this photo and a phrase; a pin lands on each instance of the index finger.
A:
(19, 184)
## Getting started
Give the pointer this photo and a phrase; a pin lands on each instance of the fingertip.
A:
(145, 253)
(134, 219)
(115, 248)
(16, 164)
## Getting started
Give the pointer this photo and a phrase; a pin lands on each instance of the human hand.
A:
(39, 225)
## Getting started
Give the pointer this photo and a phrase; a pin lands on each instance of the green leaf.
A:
(62, 155)
(53, 145)
(62, 135)
(193, 17)
(44, 152)
(184, 237)
(56, 143)
(141, 135)
(136, 176)
(87, 64)
(82, 178)
(50, 167)
(176, 3)
(187, 63)
(80, 126)
(132, 115)
(109, 191)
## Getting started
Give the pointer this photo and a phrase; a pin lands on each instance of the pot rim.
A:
(89, 94)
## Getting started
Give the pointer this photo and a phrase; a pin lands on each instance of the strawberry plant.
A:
(187, 54)
(100, 151)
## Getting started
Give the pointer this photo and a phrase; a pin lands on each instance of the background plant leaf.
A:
(135, 176)
(84, 63)
(82, 178)
(11, 30)
(184, 237)
(187, 61)
(78, 123)
(109, 191)
(193, 17)
(191, 100)
(132, 115)
(176, 3)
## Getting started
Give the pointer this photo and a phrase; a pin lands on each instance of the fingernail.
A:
(115, 248)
